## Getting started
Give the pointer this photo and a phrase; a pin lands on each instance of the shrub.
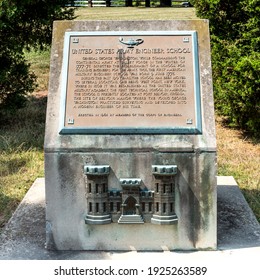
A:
(235, 30)
(24, 24)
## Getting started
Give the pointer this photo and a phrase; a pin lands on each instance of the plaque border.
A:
(131, 130)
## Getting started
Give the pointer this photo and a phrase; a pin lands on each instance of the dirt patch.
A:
(40, 94)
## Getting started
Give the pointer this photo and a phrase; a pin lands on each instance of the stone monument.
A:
(130, 149)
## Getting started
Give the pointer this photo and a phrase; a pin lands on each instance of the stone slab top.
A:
(65, 100)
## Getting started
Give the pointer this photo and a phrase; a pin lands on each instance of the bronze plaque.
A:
(130, 82)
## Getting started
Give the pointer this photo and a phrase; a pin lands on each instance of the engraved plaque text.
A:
(131, 82)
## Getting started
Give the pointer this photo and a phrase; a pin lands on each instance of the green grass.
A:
(21, 141)
(21, 154)
(134, 13)
(240, 157)
(22, 134)
(40, 63)
(19, 168)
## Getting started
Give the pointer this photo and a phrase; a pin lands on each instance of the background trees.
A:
(24, 24)
(235, 43)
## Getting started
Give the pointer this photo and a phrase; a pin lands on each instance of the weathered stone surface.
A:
(130, 156)
(23, 238)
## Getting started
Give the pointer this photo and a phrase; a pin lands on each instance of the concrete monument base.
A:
(130, 146)
(23, 238)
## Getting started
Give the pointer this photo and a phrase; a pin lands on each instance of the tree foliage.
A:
(235, 43)
(24, 24)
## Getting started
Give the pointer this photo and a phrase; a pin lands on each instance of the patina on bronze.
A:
(131, 82)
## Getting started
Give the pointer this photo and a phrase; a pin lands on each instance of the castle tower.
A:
(97, 194)
(164, 194)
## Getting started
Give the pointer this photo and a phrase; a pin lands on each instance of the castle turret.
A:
(97, 194)
(164, 194)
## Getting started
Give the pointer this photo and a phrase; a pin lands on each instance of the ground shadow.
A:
(24, 128)
(243, 134)
(237, 227)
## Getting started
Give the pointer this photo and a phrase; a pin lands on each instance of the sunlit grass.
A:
(134, 13)
(40, 63)
(18, 170)
(240, 157)
(21, 154)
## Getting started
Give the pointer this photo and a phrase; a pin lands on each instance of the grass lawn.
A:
(22, 134)
(21, 154)
(134, 13)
